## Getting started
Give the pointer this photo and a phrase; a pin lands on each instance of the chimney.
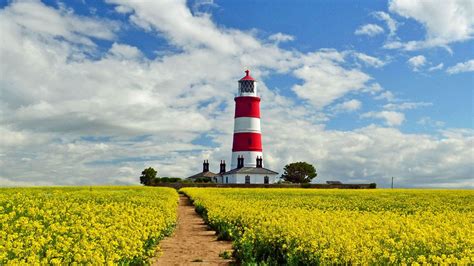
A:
(205, 166)
(259, 162)
(222, 167)
(240, 161)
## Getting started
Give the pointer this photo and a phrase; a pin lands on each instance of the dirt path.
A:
(192, 242)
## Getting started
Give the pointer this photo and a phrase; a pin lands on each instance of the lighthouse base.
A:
(250, 158)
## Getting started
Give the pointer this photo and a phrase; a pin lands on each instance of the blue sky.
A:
(92, 92)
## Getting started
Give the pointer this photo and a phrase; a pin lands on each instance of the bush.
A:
(167, 180)
(203, 180)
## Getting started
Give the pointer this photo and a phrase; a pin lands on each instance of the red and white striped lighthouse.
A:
(247, 142)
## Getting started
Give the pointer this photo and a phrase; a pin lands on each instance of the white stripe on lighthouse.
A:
(250, 158)
(247, 124)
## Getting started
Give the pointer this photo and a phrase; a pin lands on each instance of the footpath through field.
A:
(192, 242)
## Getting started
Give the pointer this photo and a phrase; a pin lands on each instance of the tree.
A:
(299, 172)
(148, 176)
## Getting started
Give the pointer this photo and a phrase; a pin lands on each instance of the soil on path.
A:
(192, 242)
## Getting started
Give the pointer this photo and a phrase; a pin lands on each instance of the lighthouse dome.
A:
(247, 76)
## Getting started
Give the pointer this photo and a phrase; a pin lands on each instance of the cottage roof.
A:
(203, 174)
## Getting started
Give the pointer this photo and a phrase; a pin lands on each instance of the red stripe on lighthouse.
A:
(247, 142)
(247, 106)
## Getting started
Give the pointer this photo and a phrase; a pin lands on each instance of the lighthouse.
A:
(247, 141)
(247, 152)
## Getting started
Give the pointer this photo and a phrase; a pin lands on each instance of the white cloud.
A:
(374, 154)
(188, 31)
(428, 121)
(406, 105)
(325, 80)
(373, 88)
(445, 21)
(281, 37)
(123, 9)
(123, 51)
(437, 67)
(391, 23)
(467, 66)
(370, 60)
(43, 20)
(385, 95)
(416, 62)
(391, 118)
(347, 106)
(369, 30)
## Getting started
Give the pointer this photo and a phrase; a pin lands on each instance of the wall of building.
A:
(254, 178)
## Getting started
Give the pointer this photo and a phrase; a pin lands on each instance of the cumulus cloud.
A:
(430, 122)
(347, 106)
(416, 62)
(437, 67)
(467, 66)
(101, 117)
(281, 37)
(370, 60)
(325, 79)
(385, 95)
(124, 51)
(369, 30)
(445, 22)
(406, 105)
(374, 154)
(43, 20)
(391, 118)
(392, 24)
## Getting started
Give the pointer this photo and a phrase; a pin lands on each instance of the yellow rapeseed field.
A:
(311, 227)
(83, 225)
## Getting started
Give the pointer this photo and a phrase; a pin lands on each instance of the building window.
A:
(226, 179)
(247, 179)
(265, 180)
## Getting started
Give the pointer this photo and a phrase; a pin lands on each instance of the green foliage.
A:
(203, 180)
(148, 176)
(166, 179)
(226, 254)
(299, 172)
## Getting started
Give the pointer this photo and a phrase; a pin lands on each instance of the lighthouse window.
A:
(265, 180)
(247, 179)
(246, 86)
(226, 179)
